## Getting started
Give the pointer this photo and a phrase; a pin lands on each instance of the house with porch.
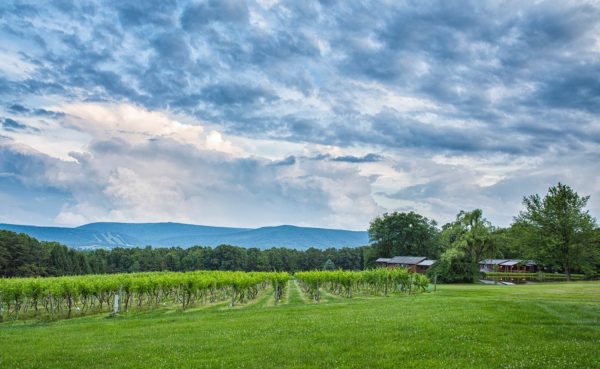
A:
(418, 264)
(508, 266)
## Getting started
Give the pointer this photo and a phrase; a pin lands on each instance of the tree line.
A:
(24, 256)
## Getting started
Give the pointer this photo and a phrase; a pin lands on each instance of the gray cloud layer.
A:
(229, 60)
(398, 82)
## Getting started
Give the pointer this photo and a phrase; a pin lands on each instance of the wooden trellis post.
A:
(386, 286)
(116, 303)
(318, 292)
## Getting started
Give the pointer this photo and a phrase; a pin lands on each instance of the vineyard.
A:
(375, 281)
(66, 297)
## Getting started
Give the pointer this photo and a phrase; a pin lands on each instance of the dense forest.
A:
(21, 255)
(555, 231)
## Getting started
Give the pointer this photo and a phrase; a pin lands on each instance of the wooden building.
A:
(419, 264)
(508, 266)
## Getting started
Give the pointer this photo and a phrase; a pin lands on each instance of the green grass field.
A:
(554, 325)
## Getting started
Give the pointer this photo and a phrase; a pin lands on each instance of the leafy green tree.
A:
(257, 260)
(4, 256)
(404, 234)
(348, 258)
(172, 261)
(467, 240)
(596, 251)
(227, 257)
(311, 258)
(329, 265)
(510, 242)
(561, 230)
(453, 266)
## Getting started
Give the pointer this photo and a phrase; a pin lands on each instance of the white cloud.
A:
(13, 66)
(107, 120)
(139, 165)
(166, 181)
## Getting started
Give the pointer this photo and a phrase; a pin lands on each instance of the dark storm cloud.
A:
(12, 125)
(40, 112)
(577, 88)
(368, 158)
(18, 109)
(290, 160)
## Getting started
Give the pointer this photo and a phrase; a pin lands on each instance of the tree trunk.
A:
(475, 270)
(568, 272)
(51, 307)
(127, 297)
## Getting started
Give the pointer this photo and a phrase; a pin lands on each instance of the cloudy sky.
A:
(310, 113)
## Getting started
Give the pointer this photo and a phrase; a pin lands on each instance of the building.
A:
(419, 264)
(508, 266)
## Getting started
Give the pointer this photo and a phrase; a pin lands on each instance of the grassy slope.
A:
(461, 326)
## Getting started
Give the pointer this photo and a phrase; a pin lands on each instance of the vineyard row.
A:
(65, 297)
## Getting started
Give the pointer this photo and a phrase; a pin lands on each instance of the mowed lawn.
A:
(554, 325)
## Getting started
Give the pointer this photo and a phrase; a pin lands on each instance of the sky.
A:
(312, 113)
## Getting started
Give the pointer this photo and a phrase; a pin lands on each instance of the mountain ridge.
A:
(172, 234)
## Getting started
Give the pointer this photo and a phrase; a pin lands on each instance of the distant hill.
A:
(109, 235)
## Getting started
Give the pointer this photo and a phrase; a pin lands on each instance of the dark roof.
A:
(408, 260)
(507, 262)
(427, 262)
(493, 261)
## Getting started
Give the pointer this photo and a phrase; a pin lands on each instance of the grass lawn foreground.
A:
(551, 325)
